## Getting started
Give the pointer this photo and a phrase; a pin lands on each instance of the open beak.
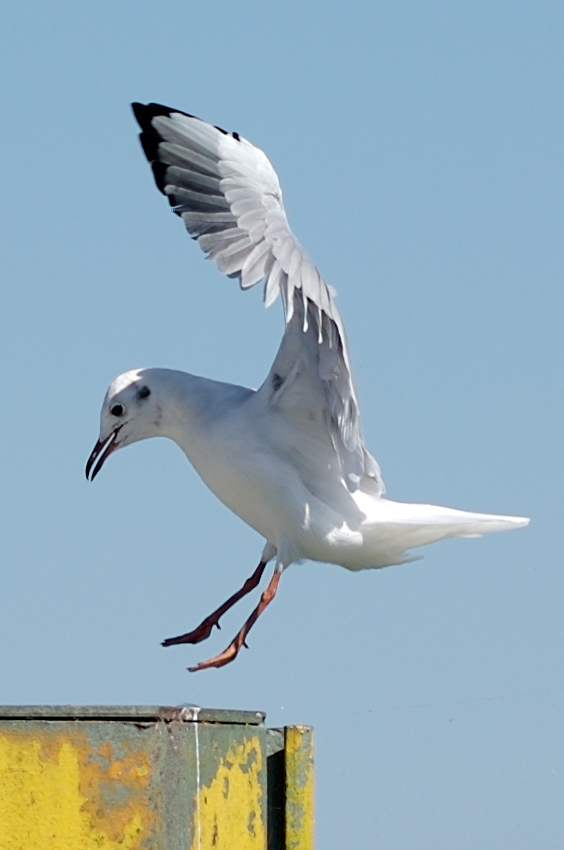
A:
(101, 451)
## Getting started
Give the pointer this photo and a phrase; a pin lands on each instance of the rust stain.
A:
(60, 790)
(114, 789)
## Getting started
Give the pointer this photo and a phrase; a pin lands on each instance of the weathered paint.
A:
(229, 811)
(54, 794)
(298, 745)
(152, 778)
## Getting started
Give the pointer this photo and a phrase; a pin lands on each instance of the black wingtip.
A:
(159, 171)
(145, 112)
(150, 144)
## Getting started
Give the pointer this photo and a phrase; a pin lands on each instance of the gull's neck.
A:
(192, 405)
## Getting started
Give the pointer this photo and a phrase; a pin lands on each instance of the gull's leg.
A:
(238, 641)
(204, 630)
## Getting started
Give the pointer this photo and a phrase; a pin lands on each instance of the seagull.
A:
(289, 458)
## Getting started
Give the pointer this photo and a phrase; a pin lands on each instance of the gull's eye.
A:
(116, 409)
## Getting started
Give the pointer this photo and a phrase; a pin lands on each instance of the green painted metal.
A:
(152, 778)
(130, 712)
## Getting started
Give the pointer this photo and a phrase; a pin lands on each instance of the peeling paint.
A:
(45, 803)
(152, 778)
(234, 790)
(298, 742)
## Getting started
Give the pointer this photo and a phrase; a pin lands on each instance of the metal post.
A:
(152, 778)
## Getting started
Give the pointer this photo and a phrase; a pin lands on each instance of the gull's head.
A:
(130, 412)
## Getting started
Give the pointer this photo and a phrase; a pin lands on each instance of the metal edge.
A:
(299, 820)
(135, 713)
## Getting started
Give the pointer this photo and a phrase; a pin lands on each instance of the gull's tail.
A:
(391, 528)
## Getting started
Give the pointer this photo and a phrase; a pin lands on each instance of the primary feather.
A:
(228, 195)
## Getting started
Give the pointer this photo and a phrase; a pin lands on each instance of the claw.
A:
(204, 630)
(226, 657)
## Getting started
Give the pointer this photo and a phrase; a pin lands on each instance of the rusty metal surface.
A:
(152, 778)
(132, 785)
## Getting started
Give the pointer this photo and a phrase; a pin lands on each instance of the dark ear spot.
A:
(143, 392)
(277, 381)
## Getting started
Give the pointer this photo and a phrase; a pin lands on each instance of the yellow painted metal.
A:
(54, 796)
(152, 778)
(229, 809)
(298, 747)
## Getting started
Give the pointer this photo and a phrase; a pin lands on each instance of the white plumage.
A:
(289, 458)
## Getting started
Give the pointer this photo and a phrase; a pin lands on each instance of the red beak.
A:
(101, 451)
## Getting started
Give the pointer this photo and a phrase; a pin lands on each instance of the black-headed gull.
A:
(288, 458)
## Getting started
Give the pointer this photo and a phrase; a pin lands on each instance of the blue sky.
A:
(419, 147)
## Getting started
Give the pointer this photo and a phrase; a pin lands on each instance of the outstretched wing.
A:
(229, 197)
